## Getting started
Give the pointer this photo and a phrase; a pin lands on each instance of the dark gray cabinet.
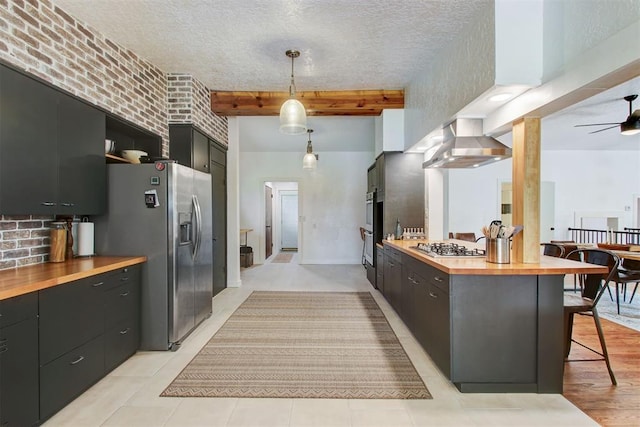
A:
(51, 150)
(480, 330)
(218, 155)
(400, 190)
(87, 328)
(393, 277)
(380, 269)
(372, 179)
(19, 361)
(122, 317)
(189, 146)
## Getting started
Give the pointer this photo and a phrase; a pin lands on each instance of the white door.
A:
(289, 220)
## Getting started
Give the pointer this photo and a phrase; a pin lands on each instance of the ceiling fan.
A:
(631, 126)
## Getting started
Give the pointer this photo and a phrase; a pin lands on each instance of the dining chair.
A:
(594, 286)
(468, 237)
(569, 247)
(627, 272)
(552, 249)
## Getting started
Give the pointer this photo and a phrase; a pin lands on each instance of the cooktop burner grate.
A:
(448, 250)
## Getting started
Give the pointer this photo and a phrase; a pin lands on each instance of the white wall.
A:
(585, 181)
(592, 181)
(331, 198)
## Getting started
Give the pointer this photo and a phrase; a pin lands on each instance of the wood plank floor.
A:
(587, 384)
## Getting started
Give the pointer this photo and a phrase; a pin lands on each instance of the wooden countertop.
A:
(479, 266)
(22, 280)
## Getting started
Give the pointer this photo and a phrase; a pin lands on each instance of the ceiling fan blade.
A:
(596, 124)
(601, 130)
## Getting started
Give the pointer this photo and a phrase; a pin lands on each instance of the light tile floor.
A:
(129, 396)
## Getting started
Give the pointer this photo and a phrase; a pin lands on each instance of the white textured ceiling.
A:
(345, 44)
(241, 44)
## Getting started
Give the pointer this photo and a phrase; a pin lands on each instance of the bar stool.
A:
(585, 304)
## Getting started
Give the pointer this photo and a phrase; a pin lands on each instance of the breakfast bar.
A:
(488, 327)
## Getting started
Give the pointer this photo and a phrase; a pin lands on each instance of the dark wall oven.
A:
(369, 203)
(369, 255)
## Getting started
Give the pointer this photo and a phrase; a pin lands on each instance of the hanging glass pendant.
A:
(309, 161)
(293, 117)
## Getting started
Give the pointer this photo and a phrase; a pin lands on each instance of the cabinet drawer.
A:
(120, 277)
(65, 378)
(70, 315)
(121, 303)
(393, 253)
(17, 309)
(121, 341)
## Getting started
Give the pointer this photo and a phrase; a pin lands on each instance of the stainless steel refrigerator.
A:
(163, 211)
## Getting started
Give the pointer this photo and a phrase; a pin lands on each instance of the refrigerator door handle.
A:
(198, 226)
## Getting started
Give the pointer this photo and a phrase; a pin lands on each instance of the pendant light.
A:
(293, 117)
(309, 160)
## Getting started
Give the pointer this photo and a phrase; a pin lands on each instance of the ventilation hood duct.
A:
(464, 146)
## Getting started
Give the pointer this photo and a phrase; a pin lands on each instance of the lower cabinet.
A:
(87, 328)
(480, 330)
(393, 278)
(380, 269)
(19, 361)
(63, 379)
(426, 311)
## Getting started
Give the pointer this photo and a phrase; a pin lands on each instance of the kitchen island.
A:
(488, 327)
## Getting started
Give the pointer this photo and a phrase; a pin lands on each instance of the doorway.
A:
(282, 228)
(547, 208)
(289, 221)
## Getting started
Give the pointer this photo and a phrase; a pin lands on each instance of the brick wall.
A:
(25, 240)
(41, 39)
(190, 102)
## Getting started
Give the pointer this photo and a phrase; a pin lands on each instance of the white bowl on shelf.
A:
(133, 155)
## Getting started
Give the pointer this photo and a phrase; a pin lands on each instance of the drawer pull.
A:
(125, 332)
(4, 349)
(78, 360)
(3, 340)
(67, 204)
(95, 285)
(124, 279)
(437, 278)
(124, 270)
(391, 264)
(124, 294)
(48, 204)
(432, 295)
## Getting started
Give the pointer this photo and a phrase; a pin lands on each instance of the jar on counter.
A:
(58, 246)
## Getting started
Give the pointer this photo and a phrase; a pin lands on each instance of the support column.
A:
(526, 189)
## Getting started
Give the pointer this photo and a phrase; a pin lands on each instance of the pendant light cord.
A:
(292, 86)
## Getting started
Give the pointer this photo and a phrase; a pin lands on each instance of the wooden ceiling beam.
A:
(317, 103)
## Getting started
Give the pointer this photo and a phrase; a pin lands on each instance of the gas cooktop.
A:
(448, 250)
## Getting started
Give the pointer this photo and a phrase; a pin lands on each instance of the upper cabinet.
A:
(189, 146)
(128, 136)
(51, 150)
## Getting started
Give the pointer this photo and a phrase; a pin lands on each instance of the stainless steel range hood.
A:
(464, 146)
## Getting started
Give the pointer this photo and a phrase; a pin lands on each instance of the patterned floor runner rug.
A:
(335, 345)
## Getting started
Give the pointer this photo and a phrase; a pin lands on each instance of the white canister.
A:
(85, 238)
